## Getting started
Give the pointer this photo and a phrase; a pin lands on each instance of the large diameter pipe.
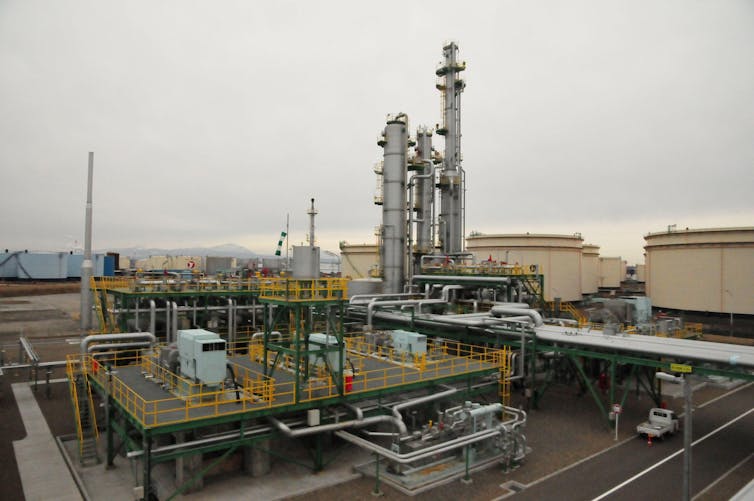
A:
(396, 409)
(118, 346)
(462, 279)
(86, 265)
(130, 336)
(175, 322)
(500, 311)
(354, 423)
(422, 453)
(152, 315)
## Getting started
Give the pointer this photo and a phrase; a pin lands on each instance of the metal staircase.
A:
(86, 421)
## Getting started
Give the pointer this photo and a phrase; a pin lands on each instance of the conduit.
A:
(132, 336)
(354, 423)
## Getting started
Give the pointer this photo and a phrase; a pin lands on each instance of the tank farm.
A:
(415, 364)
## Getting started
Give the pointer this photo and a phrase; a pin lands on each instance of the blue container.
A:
(52, 266)
(109, 266)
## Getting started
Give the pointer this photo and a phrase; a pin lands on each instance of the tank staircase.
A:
(86, 421)
(575, 313)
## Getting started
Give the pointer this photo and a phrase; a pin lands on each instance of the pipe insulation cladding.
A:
(394, 224)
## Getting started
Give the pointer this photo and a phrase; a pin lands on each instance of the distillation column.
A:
(424, 198)
(451, 181)
(394, 226)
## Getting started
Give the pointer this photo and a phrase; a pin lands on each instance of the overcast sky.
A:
(212, 120)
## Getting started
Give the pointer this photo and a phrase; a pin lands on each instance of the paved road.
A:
(713, 456)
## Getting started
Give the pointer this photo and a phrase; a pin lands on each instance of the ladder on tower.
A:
(86, 421)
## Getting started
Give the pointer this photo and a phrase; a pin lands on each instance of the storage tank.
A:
(641, 273)
(215, 264)
(559, 258)
(701, 269)
(359, 260)
(590, 269)
(305, 261)
(612, 272)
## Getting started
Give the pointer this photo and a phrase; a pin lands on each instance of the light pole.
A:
(684, 380)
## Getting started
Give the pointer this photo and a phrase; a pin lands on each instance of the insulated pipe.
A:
(152, 315)
(132, 336)
(168, 329)
(117, 346)
(183, 445)
(175, 322)
(536, 318)
(365, 298)
(374, 304)
(230, 320)
(422, 453)
(138, 327)
(463, 279)
(396, 409)
(354, 423)
(446, 291)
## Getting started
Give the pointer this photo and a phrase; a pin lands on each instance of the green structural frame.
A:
(134, 436)
(641, 366)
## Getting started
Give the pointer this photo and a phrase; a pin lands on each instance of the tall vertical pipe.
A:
(312, 212)
(451, 181)
(394, 226)
(86, 265)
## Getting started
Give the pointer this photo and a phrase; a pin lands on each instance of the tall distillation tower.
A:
(394, 230)
(452, 176)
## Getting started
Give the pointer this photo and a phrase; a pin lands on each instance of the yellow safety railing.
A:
(191, 401)
(288, 289)
(72, 371)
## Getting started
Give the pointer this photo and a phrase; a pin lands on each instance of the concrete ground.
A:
(566, 429)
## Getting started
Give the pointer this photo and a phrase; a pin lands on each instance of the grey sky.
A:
(212, 120)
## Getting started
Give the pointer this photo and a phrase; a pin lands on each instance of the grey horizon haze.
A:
(210, 121)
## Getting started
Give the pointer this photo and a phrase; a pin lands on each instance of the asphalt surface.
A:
(715, 453)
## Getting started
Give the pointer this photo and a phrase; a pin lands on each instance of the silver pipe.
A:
(183, 445)
(138, 327)
(422, 453)
(168, 330)
(354, 423)
(193, 318)
(534, 315)
(374, 303)
(175, 322)
(463, 279)
(230, 320)
(365, 298)
(131, 336)
(117, 346)
(396, 409)
(86, 265)
(152, 315)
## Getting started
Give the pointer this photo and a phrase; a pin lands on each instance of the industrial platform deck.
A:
(154, 397)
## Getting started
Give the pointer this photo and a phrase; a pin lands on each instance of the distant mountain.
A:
(224, 250)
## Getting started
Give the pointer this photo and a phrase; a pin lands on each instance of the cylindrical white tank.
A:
(612, 272)
(590, 269)
(394, 216)
(701, 269)
(559, 258)
(359, 260)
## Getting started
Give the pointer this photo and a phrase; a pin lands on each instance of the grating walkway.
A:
(43, 471)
